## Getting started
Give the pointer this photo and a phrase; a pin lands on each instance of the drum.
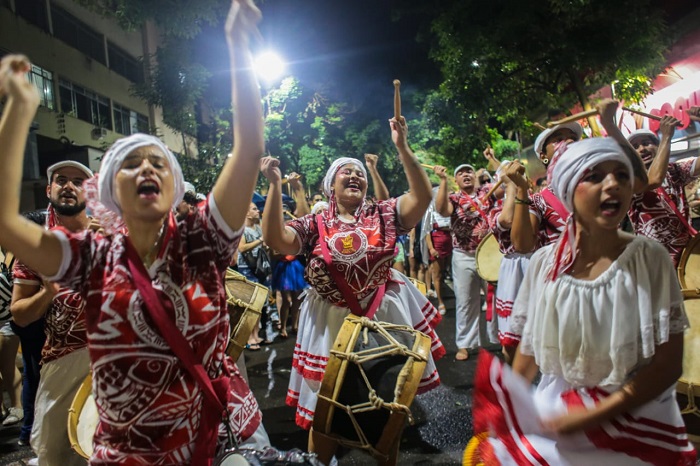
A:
(372, 376)
(688, 386)
(689, 269)
(245, 300)
(420, 285)
(488, 258)
(82, 419)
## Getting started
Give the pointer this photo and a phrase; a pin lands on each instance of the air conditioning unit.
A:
(98, 133)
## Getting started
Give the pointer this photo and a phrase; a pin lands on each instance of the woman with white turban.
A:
(361, 237)
(152, 410)
(601, 317)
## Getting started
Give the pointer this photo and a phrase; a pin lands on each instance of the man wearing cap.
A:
(661, 212)
(65, 360)
(469, 226)
(188, 203)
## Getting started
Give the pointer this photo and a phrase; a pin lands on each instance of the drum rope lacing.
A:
(375, 402)
(691, 407)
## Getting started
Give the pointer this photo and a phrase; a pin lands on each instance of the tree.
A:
(507, 61)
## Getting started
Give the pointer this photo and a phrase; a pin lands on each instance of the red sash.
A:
(554, 202)
(343, 286)
(662, 192)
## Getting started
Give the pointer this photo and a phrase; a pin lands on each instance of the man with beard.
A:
(469, 226)
(188, 204)
(64, 358)
(661, 212)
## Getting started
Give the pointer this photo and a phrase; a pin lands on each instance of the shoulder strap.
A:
(662, 192)
(554, 202)
(343, 287)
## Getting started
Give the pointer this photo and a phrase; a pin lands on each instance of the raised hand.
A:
(294, 180)
(606, 109)
(371, 160)
(440, 171)
(270, 168)
(694, 113)
(13, 80)
(515, 172)
(667, 126)
(399, 132)
(242, 21)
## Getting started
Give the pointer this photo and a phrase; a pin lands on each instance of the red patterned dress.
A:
(365, 248)
(149, 405)
(653, 216)
(551, 223)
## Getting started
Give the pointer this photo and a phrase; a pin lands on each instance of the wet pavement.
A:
(442, 416)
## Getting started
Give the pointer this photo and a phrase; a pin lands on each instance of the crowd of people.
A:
(133, 293)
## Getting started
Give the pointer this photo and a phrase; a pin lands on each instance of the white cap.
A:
(68, 163)
(462, 167)
(640, 133)
(201, 197)
(189, 188)
(544, 135)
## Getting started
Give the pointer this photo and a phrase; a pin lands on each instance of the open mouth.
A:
(354, 185)
(610, 208)
(148, 189)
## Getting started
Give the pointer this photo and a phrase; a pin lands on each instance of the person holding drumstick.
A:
(603, 327)
(661, 212)
(469, 225)
(153, 407)
(360, 237)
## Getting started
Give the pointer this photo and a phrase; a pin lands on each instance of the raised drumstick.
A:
(492, 190)
(425, 165)
(644, 114)
(397, 99)
(576, 117)
(687, 138)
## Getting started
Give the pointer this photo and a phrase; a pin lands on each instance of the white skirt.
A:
(320, 323)
(510, 276)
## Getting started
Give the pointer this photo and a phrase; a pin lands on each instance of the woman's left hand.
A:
(269, 166)
(399, 132)
(577, 419)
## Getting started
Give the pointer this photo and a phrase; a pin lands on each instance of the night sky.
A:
(353, 48)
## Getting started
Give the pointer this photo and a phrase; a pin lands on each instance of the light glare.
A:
(269, 66)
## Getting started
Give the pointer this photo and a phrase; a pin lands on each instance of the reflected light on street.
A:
(269, 66)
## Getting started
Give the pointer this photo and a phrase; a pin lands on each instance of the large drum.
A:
(82, 419)
(689, 269)
(488, 258)
(245, 300)
(688, 386)
(370, 381)
(420, 285)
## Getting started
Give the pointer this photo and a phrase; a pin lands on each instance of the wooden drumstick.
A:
(648, 115)
(686, 138)
(285, 181)
(576, 117)
(539, 126)
(397, 99)
(493, 189)
(290, 214)
(429, 167)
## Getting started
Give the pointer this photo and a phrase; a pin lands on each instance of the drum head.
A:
(488, 258)
(383, 375)
(83, 419)
(87, 424)
(689, 267)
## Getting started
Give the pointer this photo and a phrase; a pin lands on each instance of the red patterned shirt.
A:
(364, 248)
(65, 317)
(653, 217)
(551, 223)
(149, 405)
(469, 221)
(502, 235)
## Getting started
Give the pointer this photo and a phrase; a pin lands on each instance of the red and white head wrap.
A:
(335, 166)
(566, 174)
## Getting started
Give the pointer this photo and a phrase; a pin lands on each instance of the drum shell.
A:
(488, 258)
(82, 409)
(688, 387)
(246, 300)
(420, 285)
(689, 269)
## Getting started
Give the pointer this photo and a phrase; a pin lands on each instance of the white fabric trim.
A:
(66, 256)
(220, 222)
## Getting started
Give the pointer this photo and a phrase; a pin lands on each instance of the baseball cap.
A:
(68, 163)
(462, 167)
(189, 187)
(542, 138)
(640, 133)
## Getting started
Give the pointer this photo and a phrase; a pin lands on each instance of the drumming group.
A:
(136, 300)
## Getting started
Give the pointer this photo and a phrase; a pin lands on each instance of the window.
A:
(43, 80)
(128, 122)
(77, 34)
(124, 64)
(34, 11)
(84, 104)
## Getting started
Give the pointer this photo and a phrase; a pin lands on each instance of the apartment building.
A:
(84, 66)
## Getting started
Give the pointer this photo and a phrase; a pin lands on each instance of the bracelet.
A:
(527, 201)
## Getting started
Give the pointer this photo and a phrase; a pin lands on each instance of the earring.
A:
(545, 160)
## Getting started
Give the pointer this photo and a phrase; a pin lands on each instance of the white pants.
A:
(60, 380)
(467, 286)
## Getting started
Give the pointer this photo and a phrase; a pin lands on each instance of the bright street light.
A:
(269, 66)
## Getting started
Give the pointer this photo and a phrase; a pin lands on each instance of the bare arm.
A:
(414, 203)
(244, 246)
(37, 248)
(659, 166)
(442, 201)
(299, 195)
(523, 231)
(505, 218)
(279, 237)
(490, 156)
(381, 192)
(30, 302)
(236, 183)
(525, 365)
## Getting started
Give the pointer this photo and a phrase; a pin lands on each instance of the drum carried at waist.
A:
(370, 381)
(488, 258)
(420, 285)
(82, 419)
(246, 300)
(689, 269)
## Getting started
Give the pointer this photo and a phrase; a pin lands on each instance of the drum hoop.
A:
(251, 312)
(689, 248)
(686, 387)
(479, 250)
(79, 400)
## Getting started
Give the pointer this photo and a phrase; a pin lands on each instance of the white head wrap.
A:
(320, 205)
(335, 166)
(113, 160)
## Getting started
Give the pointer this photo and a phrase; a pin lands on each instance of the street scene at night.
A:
(301, 232)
